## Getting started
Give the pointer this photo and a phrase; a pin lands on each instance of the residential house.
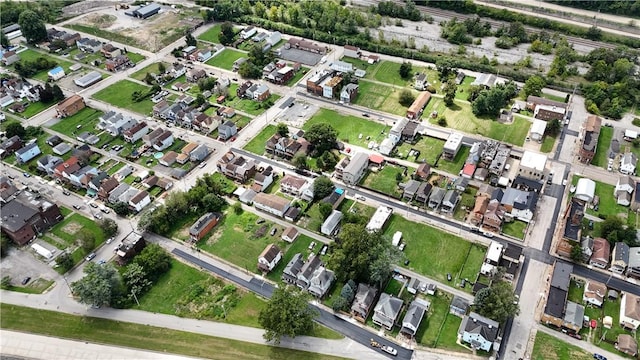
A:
(633, 267)
(199, 153)
(450, 201)
(321, 281)
(573, 220)
(387, 310)
(452, 146)
(132, 245)
(351, 51)
(349, 93)
(623, 190)
(363, 302)
(10, 145)
(307, 270)
(61, 149)
(285, 147)
(9, 57)
(423, 193)
(600, 253)
(413, 317)
(334, 199)
(627, 344)
(88, 45)
(53, 140)
(115, 123)
(291, 271)
(8, 191)
(106, 186)
(436, 197)
(480, 332)
(519, 204)
(293, 185)
(193, 75)
(290, 234)
(269, 258)
(273, 38)
(355, 169)
(47, 163)
(236, 167)
(135, 133)
(263, 179)
(493, 216)
(590, 134)
(125, 171)
(480, 207)
(537, 130)
(314, 83)
(227, 130)
(109, 51)
(22, 222)
(423, 171)
(70, 106)
(248, 32)
(410, 189)
(139, 201)
(415, 110)
(630, 311)
(628, 163)
(330, 225)
(177, 70)
(594, 292)
(459, 306)
(23, 155)
(114, 195)
(163, 141)
(420, 82)
(56, 73)
(118, 63)
(619, 258)
(272, 204)
(150, 138)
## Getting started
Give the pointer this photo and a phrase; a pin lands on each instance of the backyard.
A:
(439, 328)
(351, 129)
(608, 205)
(119, 95)
(460, 117)
(601, 157)
(226, 58)
(248, 106)
(42, 75)
(385, 180)
(140, 336)
(434, 253)
(380, 97)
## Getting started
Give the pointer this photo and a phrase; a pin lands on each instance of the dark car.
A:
(26, 280)
(599, 357)
(448, 276)
(66, 192)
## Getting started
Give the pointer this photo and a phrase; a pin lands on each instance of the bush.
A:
(406, 98)
(442, 121)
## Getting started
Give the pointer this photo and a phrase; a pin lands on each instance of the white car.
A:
(389, 350)
(109, 240)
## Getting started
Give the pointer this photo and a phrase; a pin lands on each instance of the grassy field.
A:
(32, 55)
(384, 180)
(380, 97)
(433, 321)
(460, 117)
(433, 252)
(67, 228)
(294, 80)
(515, 228)
(226, 58)
(604, 140)
(35, 108)
(429, 148)
(547, 347)
(608, 205)
(119, 94)
(153, 68)
(135, 57)
(463, 89)
(256, 145)
(553, 97)
(212, 35)
(140, 336)
(348, 127)
(87, 118)
(547, 144)
(454, 167)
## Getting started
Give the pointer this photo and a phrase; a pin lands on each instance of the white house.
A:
(248, 32)
(387, 310)
(356, 167)
(479, 331)
(272, 204)
(273, 38)
(330, 225)
(269, 258)
(594, 292)
(623, 190)
(628, 163)
(140, 200)
(537, 129)
(585, 189)
(56, 73)
(352, 51)
(630, 311)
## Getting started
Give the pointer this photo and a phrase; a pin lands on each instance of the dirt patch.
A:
(72, 228)
(101, 21)
(260, 232)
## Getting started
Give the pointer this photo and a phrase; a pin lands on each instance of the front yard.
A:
(226, 58)
(119, 95)
(515, 228)
(351, 129)
(153, 68)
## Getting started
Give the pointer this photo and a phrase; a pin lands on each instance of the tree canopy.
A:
(489, 102)
(154, 261)
(322, 136)
(32, 27)
(322, 187)
(100, 285)
(287, 313)
(533, 86)
(497, 302)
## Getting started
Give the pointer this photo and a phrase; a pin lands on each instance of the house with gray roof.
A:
(619, 258)
(227, 130)
(355, 169)
(321, 281)
(459, 306)
(199, 153)
(114, 195)
(450, 201)
(480, 332)
(410, 190)
(436, 197)
(307, 270)
(291, 271)
(61, 148)
(387, 310)
(363, 302)
(330, 225)
(48, 163)
(413, 317)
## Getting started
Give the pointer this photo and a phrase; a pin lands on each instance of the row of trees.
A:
(26, 68)
(408, 10)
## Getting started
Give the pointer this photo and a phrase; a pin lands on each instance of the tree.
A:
(340, 304)
(136, 280)
(200, 100)
(450, 88)
(162, 67)
(576, 253)
(533, 86)
(323, 137)
(154, 260)
(406, 97)
(121, 208)
(299, 160)
(553, 127)
(46, 94)
(497, 302)
(190, 40)
(109, 227)
(327, 161)
(405, 70)
(4, 40)
(65, 261)
(249, 70)
(237, 208)
(14, 128)
(86, 239)
(381, 267)
(322, 187)
(58, 95)
(32, 27)
(4, 245)
(213, 203)
(99, 286)
(325, 210)
(445, 68)
(287, 314)
(282, 129)
(226, 33)
(149, 79)
(613, 229)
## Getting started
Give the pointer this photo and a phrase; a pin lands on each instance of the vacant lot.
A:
(429, 149)
(87, 118)
(385, 180)
(601, 157)
(226, 58)
(42, 75)
(35, 108)
(139, 336)
(380, 97)
(453, 167)
(460, 117)
(212, 35)
(515, 228)
(547, 347)
(119, 95)
(256, 145)
(153, 68)
(351, 129)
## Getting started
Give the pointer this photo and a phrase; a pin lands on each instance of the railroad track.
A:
(495, 24)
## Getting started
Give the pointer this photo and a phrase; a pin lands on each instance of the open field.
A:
(385, 180)
(429, 149)
(87, 118)
(226, 58)
(463, 89)
(140, 336)
(433, 321)
(348, 127)
(32, 55)
(604, 140)
(380, 97)
(547, 347)
(153, 68)
(212, 35)
(256, 145)
(460, 117)
(119, 94)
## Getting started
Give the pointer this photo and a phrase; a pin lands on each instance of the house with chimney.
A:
(23, 221)
(136, 132)
(387, 310)
(269, 258)
(600, 254)
(363, 302)
(594, 293)
(479, 332)
(236, 167)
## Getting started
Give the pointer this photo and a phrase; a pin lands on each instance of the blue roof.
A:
(339, 191)
(56, 70)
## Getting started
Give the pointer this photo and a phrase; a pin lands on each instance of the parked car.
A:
(389, 350)
(273, 231)
(105, 210)
(449, 277)
(90, 257)
(26, 174)
(26, 280)
(109, 240)
(97, 216)
(102, 262)
(66, 192)
(77, 207)
(93, 205)
(599, 357)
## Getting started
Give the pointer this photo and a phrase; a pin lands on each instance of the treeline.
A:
(619, 7)
(469, 7)
(47, 11)
(27, 68)
(407, 11)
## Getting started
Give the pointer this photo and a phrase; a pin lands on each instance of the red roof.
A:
(376, 159)
(469, 169)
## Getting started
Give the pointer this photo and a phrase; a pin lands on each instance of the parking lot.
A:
(20, 264)
(301, 56)
(297, 114)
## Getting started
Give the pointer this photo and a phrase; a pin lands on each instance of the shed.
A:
(585, 189)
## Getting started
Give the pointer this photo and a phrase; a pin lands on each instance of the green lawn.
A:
(380, 97)
(575, 291)
(37, 286)
(471, 268)
(604, 140)
(515, 228)
(547, 144)
(246, 105)
(35, 108)
(454, 167)
(32, 55)
(256, 145)
(87, 118)
(226, 58)
(140, 336)
(119, 94)
(348, 127)
(463, 89)
(608, 205)
(429, 148)
(135, 57)
(153, 68)
(460, 117)
(547, 347)
(433, 252)
(301, 73)
(212, 35)
(553, 97)
(67, 228)
(433, 321)
(449, 334)
(384, 180)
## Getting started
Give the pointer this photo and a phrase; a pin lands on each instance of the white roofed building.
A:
(379, 218)
(585, 189)
(532, 165)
